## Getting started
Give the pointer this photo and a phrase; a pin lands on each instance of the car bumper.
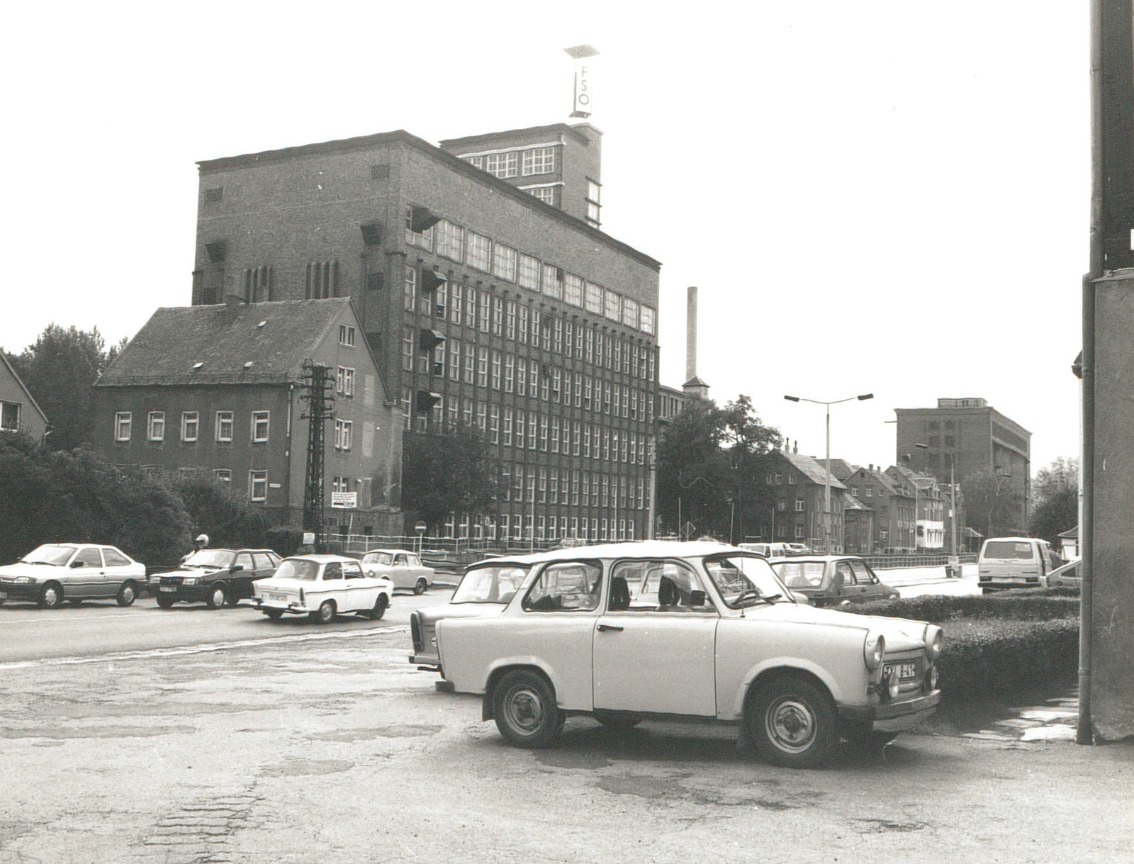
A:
(427, 662)
(283, 606)
(188, 593)
(20, 591)
(893, 716)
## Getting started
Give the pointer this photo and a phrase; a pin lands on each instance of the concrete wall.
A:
(1112, 613)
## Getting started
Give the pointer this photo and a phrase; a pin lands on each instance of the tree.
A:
(59, 371)
(215, 509)
(709, 464)
(990, 504)
(448, 473)
(1055, 500)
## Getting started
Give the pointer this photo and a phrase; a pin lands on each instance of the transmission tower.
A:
(318, 392)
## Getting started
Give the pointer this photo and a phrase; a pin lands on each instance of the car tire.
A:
(51, 597)
(165, 601)
(618, 720)
(127, 594)
(792, 722)
(231, 598)
(215, 599)
(524, 707)
(325, 614)
(861, 737)
(274, 614)
(420, 585)
(380, 606)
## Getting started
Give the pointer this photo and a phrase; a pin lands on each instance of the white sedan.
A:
(322, 587)
(403, 568)
(74, 572)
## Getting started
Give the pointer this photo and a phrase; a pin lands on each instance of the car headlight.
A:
(873, 650)
(934, 640)
(189, 580)
(24, 580)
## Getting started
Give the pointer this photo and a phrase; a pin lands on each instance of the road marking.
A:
(179, 651)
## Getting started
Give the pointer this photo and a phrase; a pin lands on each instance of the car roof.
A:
(824, 558)
(642, 549)
(321, 558)
(390, 551)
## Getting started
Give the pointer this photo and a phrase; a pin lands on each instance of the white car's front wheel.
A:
(793, 723)
(524, 706)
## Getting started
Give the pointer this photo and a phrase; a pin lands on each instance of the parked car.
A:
(484, 589)
(1066, 575)
(724, 642)
(214, 576)
(403, 568)
(74, 572)
(832, 580)
(1014, 562)
(797, 549)
(766, 550)
(322, 587)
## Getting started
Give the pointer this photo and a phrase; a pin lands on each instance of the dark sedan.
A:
(832, 580)
(215, 576)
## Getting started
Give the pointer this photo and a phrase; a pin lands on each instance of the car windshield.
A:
(50, 554)
(383, 558)
(800, 574)
(208, 558)
(745, 579)
(297, 568)
(492, 583)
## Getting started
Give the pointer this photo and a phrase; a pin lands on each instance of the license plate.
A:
(169, 588)
(268, 595)
(904, 670)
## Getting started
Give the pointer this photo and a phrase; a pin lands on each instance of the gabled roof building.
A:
(18, 410)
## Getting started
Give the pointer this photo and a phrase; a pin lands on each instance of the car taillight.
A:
(300, 595)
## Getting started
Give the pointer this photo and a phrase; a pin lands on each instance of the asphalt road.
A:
(322, 744)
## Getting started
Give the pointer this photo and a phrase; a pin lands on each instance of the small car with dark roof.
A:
(214, 577)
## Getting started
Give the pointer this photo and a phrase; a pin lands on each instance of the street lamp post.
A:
(827, 483)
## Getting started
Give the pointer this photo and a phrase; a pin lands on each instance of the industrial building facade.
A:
(481, 303)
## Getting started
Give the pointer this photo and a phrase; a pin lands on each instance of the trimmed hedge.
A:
(998, 645)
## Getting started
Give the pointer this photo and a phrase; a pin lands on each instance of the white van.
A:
(768, 550)
(1014, 562)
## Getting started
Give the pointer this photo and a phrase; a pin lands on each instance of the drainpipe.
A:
(1084, 733)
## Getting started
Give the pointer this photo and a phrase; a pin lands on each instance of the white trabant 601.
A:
(321, 587)
(721, 639)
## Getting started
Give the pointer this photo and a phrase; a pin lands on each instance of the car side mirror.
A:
(77, 563)
(696, 598)
(236, 567)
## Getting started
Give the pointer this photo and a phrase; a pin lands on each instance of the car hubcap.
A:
(525, 711)
(50, 597)
(790, 725)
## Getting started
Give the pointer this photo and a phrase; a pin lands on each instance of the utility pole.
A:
(318, 392)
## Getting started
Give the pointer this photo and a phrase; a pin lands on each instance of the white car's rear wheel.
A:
(379, 608)
(420, 585)
(524, 707)
(325, 614)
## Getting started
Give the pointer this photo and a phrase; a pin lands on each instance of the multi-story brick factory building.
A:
(483, 299)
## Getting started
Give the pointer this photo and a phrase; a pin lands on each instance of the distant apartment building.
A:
(485, 298)
(223, 391)
(966, 437)
(798, 486)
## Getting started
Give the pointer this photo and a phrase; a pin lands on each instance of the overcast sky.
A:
(885, 197)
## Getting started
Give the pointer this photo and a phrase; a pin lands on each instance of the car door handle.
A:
(604, 627)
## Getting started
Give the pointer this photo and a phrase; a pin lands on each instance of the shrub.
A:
(1025, 605)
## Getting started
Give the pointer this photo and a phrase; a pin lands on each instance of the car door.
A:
(118, 568)
(242, 574)
(656, 658)
(869, 588)
(332, 586)
(360, 591)
(85, 576)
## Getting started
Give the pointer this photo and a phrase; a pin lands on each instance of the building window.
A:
(10, 416)
(504, 262)
(343, 434)
(346, 335)
(322, 280)
(344, 381)
(450, 240)
(612, 305)
(553, 278)
(409, 289)
(594, 298)
(573, 290)
(222, 475)
(541, 160)
(631, 312)
(480, 252)
(502, 164)
(122, 423)
(155, 426)
(224, 426)
(649, 316)
(546, 194)
(420, 239)
(260, 426)
(190, 422)
(258, 485)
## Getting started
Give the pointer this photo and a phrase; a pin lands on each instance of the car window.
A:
(244, 559)
(399, 560)
(565, 586)
(88, 558)
(264, 560)
(413, 561)
(114, 558)
(658, 586)
(298, 568)
(353, 570)
(1008, 549)
(862, 574)
(800, 574)
(333, 570)
(489, 584)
